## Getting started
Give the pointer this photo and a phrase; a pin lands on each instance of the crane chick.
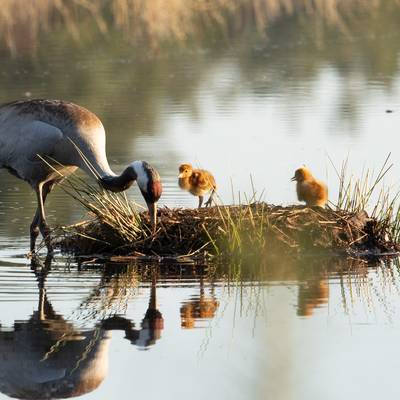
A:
(309, 189)
(198, 182)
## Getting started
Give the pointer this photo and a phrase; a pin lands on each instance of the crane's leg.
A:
(208, 203)
(39, 220)
(34, 230)
(200, 201)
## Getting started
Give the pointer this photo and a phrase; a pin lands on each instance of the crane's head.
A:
(149, 182)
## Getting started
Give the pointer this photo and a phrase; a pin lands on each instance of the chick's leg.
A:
(208, 203)
(200, 201)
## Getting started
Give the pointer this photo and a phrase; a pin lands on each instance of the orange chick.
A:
(198, 182)
(309, 189)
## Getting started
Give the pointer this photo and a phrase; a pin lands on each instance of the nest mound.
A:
(224, 230)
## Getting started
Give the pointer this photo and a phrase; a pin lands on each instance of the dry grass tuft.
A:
(117, 218)
(357, 194)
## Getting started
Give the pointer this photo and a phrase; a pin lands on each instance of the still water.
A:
(255, 106)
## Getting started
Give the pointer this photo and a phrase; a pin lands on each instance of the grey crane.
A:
(33, 130)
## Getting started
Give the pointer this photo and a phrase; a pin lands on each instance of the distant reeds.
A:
(156, 22)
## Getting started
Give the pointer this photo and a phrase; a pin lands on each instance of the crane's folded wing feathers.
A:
(25, 143)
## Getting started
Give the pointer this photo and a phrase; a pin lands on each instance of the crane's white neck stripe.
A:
(142, 175)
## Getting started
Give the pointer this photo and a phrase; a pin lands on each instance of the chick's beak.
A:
(293, 179)
(153, 214)
(180, 175)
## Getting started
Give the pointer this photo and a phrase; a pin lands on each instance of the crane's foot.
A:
(40, 267)
(34, 234)
(31, 255)
(45, 231)
(50, 250)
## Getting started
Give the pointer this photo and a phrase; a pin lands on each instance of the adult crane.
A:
(32, 131)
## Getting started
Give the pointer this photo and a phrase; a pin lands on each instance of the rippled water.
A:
(284, 328)
(177, 331)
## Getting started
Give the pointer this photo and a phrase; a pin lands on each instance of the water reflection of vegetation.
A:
(260, 62)
(22, 24)
(314, 278)
(244, 283)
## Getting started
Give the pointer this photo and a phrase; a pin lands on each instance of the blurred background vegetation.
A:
(157, 24)
(70, 44)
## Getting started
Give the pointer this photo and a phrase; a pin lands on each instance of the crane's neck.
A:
(118, 183)
(147, 178)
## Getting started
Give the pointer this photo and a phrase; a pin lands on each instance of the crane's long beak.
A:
(153, 215)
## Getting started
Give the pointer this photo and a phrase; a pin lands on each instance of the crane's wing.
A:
(21, 143)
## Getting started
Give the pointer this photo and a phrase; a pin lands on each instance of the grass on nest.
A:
(241, 227)
(356, 194)
(112, 210)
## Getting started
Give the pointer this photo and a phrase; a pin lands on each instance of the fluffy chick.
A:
(309, 189)
(198, 182)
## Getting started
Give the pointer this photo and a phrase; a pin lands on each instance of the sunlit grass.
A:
(368, 193)
(112, 210)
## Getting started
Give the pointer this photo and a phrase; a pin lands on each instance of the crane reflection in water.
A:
(48, 356)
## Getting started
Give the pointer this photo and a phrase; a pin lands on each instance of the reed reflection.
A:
(23, 26)
(314, 277)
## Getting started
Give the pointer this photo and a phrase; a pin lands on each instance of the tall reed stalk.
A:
(368, 193)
